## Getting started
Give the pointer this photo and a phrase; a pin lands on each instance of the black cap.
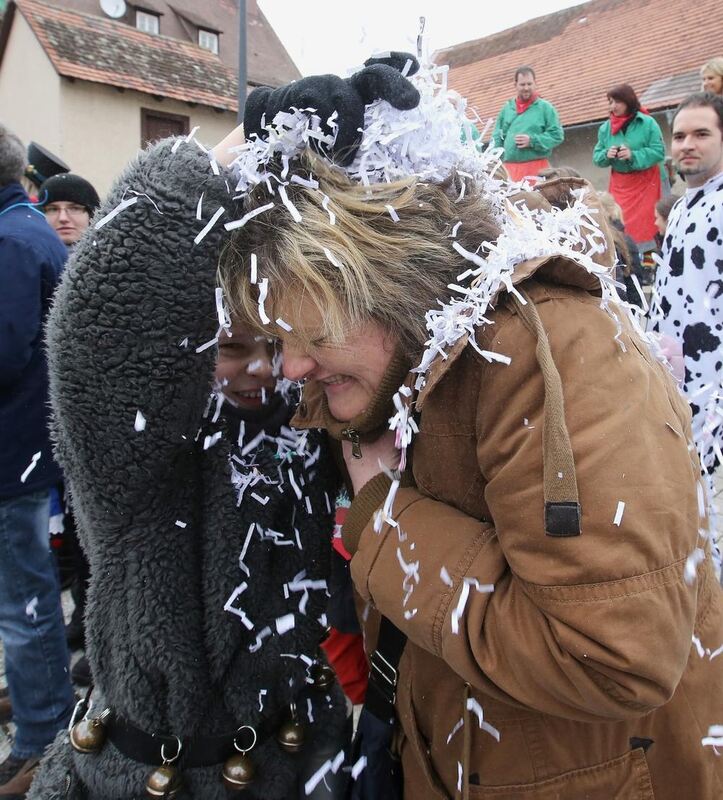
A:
(70, 188)
(42, 164)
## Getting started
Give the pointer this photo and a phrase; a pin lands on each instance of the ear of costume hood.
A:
(324, 94)
(337, 102)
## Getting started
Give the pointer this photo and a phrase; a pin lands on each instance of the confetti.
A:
(31, 466)
(122, 206)
(619, 513)
(209, 225)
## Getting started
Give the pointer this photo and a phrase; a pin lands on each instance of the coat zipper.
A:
(353, 436)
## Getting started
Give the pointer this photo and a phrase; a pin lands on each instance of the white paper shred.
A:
(474, 706)
(254, 269)
(325, 205)
(458, 726)
(714, 738)
(122, 206)
(263, 293)
(31, 466)
(282, 324)
(392, 212)
(199, 207)
(483, 588)
(204, 231)
(358, 767)
(206, 345)
(180, 524)
(619, 511)
(210, 441)
(691, 565)
(31, 609)
(460, 774)
(444, 575)
(331, 257)
(239, 223)
(330, 765)
(291, 208)
(229, 606)
(285, 623)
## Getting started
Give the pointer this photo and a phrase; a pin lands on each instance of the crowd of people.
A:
(337, 421)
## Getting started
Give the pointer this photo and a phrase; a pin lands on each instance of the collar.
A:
(711, 185)
(12, 194)
(313, 410)
(522, 105)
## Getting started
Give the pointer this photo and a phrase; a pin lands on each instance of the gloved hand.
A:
(381, 79)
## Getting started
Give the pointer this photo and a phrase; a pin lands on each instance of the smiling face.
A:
(697, 144)
(349, 372)
(525, 85)
(244, 368)
(712, 81)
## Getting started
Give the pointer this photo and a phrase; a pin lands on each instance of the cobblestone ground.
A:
(7, 730)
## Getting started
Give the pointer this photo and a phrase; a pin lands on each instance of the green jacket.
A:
(642, 136)
(540, 122)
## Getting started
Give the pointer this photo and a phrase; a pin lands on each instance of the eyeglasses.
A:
(72, 210)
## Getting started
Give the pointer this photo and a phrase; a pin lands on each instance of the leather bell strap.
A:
(198, 751)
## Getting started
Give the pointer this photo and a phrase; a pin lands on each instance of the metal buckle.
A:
(387, 672)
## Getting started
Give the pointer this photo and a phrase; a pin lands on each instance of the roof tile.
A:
(94, 49)
(657, 46)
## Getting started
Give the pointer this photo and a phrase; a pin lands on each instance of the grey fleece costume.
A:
(164, 653)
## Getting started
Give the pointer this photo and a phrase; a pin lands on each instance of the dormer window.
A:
(147, 22)
(208, 40)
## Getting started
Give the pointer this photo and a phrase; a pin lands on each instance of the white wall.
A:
(30, 89)
(101, 127)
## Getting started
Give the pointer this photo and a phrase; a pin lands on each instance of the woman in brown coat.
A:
(539, 541)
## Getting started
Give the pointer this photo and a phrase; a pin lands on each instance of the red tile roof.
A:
(657, 46)
(92, 48)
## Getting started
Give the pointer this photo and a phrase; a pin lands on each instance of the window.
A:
(149, 23)
(158, 125)
(208, 40)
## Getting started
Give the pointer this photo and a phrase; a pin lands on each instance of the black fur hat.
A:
(71, 188)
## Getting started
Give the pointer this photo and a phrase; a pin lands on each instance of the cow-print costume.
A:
(688, 306)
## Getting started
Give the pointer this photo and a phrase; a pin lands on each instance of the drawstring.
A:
(562, 504)
(466, 744)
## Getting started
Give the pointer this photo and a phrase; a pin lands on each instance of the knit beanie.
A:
(70, 188)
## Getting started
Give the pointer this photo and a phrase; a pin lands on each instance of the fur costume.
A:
(156, 494)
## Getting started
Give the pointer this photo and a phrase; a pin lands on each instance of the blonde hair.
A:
(610, 206)
(365, 266)
(715, 65)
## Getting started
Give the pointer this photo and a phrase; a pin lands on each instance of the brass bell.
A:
(88, 735)
(290, 735)
(164, 781)
(239, 772)
(323, 677)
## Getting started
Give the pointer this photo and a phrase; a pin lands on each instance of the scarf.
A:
(523, 105)
(619, 123)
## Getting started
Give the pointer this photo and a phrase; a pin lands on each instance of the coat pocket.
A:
(623, 778)
(419, 778)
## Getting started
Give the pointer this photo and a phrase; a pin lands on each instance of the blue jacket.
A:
(31, 260)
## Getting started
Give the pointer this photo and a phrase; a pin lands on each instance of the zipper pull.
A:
(353, 437)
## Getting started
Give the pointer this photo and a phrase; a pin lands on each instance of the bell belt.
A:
(156, 749)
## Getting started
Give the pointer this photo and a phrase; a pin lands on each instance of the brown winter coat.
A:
(581, 657)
